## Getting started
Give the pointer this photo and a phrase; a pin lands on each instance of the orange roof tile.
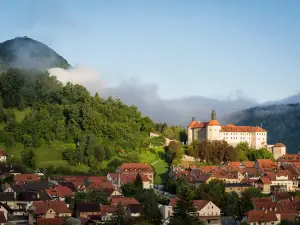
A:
(41, 207)
(248, 164)
(233, 128)
(213, 123)
(235, 164)
(49, 221)
(26, 177)
(207, 169)
(61, 191)
(123, 200)
(289, 158)
(265, 180)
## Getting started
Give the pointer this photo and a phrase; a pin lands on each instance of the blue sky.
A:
(207, 48)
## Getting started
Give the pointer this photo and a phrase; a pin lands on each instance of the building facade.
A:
(255, 136)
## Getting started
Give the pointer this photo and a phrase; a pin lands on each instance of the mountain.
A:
(24, 52)
(281, 121)
(293, 99)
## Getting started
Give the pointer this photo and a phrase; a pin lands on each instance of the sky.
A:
(216, 49)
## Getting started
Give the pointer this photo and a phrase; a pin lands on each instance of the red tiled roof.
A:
(2, 152)
(199, 204)
(26, 177)
(248, 164)
(272, 175)
(261, 216)
(207, 169)
(104, 209)
(98, 179)
(235, 164)
(49, 221)
(198, 124)
(249, 129)
(136, 167)
(225, 174)
(123, 200)
(265, 180)
(266, 164)
(61, 191)
(279, 145)
(99, 186)
(289, 158)
(41, 207)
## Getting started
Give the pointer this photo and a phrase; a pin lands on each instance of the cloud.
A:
(146, 98)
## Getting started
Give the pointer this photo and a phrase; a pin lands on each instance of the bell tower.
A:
(213, 115)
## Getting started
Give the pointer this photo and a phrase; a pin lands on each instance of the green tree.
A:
(231, 205)
(121, 216)
(138, 182)
(28, 158)
(184, 212)
(151, 212)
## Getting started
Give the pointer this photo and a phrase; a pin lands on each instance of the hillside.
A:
(281, 121)
(24, 52)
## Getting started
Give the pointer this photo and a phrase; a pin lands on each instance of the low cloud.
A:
(146, 98)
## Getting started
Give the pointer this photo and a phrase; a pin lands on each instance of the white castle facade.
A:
(213, 130)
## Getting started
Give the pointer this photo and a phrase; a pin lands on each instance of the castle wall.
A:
(213, 133)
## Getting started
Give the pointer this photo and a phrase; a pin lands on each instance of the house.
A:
(227, 176)
(236, 187)
(112, 192)
(264, 184)
(87, 209)
(255, 217)
(69, 185)
(135, 168)
(3, 155)
(281, 181)
(207, 211)
(118, 180)
(9, 198)
(39, 185)
(289, 158)
(48, 209)
(107, 212)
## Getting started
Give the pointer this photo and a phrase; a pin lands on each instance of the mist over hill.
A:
(26, 53)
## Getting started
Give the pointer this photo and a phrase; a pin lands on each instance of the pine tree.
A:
(184, 212)
(138, 182)
(151, 212)
(121, 216)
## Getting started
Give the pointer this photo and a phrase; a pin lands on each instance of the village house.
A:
(135, 168)
(227, 176)
(207, 211)
(266, 165)
(256, 217)
(236, 187)
(87, 209)
(48, 209)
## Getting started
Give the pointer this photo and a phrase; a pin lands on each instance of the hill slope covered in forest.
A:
(24, 52)
(281, 121)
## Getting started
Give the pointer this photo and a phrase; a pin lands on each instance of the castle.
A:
(212, 130)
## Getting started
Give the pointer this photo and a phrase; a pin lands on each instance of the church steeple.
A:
(193, 119)
(213, 115)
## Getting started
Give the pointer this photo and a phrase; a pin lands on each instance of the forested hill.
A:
(281, 121)
(24, 52)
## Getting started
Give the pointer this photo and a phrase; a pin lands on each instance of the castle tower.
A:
(213, 128)
(190, 131)
(278, 150)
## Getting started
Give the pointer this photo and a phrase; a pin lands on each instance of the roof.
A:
(281, 195)
(26, 177)
(249, 129)
(248, 164)
(68, 184)
(39, 185)
(28, 196)
(7, 196)
(49, 221)
(199, 204)
(136, 167)
(225, 174)
(266, 164)
(289, 158)
(135, 208)
(61, 191)
(2, 217)
(274, 175)
(207, 169)
(235, 164)
(229, 185)
(123, 201)
(251, 171)
(198, 124)
(107, 209)
(261, 216)
(265, 180)
(213, 123)
(2, 152)
(41, 207)
(88, 206)
(279, 145)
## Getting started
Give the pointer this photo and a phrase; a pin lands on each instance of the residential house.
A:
(289, 158)
(135, 168)
(281, 181)
(87, 209)
(9, 198)
(255, 217)
(207, 211)
(227, 176)
(114, 201)
(236, 187)
(48, 209)
(2, 218)
(61, 193)
(264, 184)
(107, 212)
